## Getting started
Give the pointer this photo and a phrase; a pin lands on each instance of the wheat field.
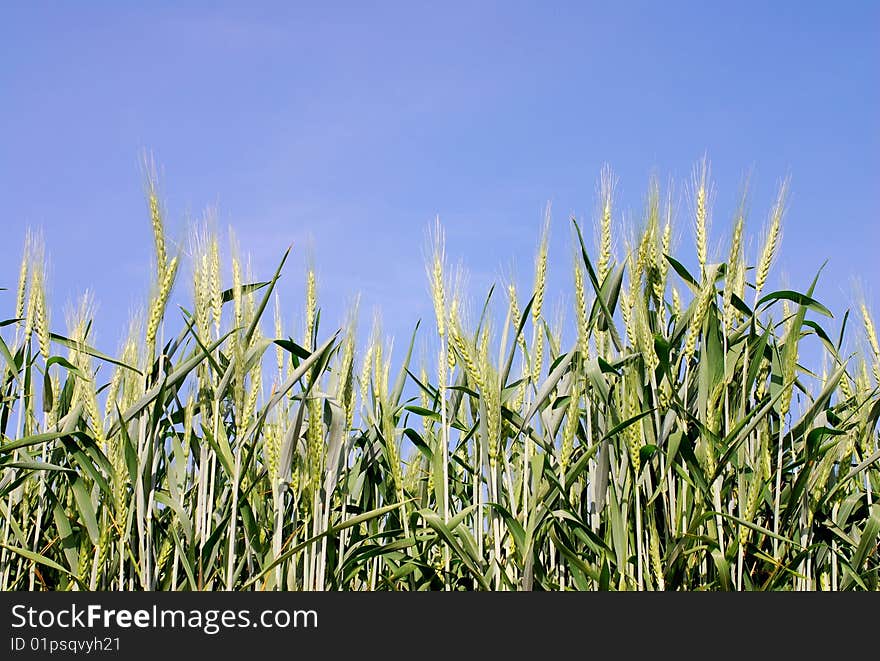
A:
(677, 441)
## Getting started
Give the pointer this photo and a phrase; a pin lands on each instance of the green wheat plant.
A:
(672, 436)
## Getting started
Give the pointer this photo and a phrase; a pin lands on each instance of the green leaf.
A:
(86, 510)
(43, 560)
(685, 275)
(795, 297)
(84, 348)
(35, 439)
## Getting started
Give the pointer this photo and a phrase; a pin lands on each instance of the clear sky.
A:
(345, 128)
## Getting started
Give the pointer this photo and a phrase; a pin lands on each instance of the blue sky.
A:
(345, 128)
